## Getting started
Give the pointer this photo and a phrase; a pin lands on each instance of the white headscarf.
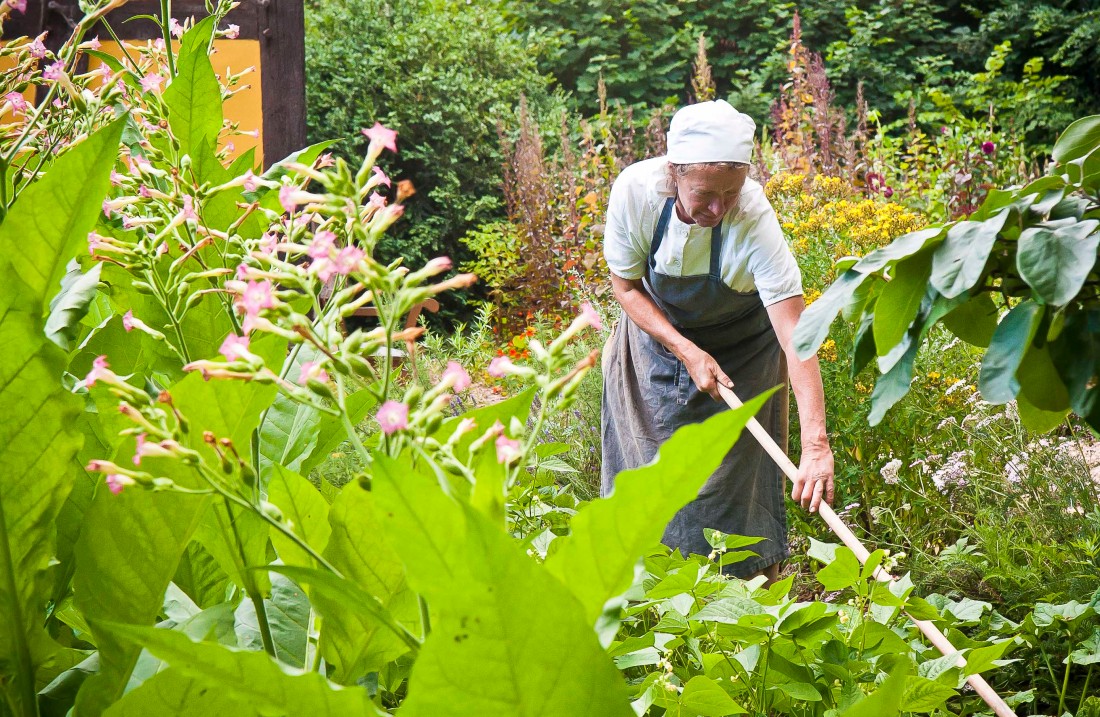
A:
(710, 132)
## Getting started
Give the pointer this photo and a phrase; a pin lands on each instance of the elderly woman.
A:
(710, 295)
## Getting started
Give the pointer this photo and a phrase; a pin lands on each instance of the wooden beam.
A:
(282, 26)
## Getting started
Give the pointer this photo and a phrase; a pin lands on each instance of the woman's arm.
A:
(640, 307)
(815, 470)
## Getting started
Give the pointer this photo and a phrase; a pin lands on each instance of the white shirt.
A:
(755, 255)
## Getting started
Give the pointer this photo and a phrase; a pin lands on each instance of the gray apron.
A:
(648, 394)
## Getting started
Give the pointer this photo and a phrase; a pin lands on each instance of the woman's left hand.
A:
(815, 478)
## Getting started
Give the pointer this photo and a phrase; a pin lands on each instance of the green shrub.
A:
(442, 74)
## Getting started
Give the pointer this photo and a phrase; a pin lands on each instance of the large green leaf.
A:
(902, 247)
(974, 321)
(127, 554)
(360, 550)
(703, 696)
(237, 539)
(194, 96)
(900, 300)
(596, 561)
(1080, 138)
(53, 216)
(1076, 354)
(287, 612)
(813, 325)
(38, 440)
(892, 386)
(1056, 261)
(290, 430)
(490, 652)
(172, 693)
(518, 406)
(924, 695)
(884, 700)
(959, 261)
(997, 380)
(231, 409)
(1040, 382)
(306, 512)
(78, 289)
(270, 688)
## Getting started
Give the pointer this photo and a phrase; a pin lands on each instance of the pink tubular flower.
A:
(152, 82)
(285, 198)
(347, 260)
(380, 136)
(323, 243)
(590, 316)
(18, 5)
(988, 147)
(377, 201)
(94, 43)
(323, 268)
(393, 416)
(94, 241)
(438, 265)
(250, 181)
(189, 208)
(18, 102)
(234, 347)
(116, 482)
(100, 369)
(500, 367)
(175, 28)
(38, 48)
(312, 371)
(128, 321)
(54, 71)
(380, 177)
(456, 376)
(232, 32)
(257, 295)
(508, 450)
(268, 243)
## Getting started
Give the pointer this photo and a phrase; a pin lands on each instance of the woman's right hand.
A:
(705, 372)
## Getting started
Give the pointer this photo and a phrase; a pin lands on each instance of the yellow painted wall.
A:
(229, 57)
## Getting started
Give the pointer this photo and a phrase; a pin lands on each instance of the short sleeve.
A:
(625, 247)
(774, 269)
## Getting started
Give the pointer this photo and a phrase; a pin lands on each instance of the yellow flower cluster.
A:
(827, 352)
(825, 215)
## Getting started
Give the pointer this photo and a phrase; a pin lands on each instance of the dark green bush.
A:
(440, 73)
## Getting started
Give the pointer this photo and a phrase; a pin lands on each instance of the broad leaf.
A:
(331, 432)
(271, 689)
(842, 573)
(287, 616)
(78, 289)
(892, 386)
(360, 550)
(997, 380)
(704, 696)
(172, 693)
(884, 700)
(489, 652)
(924, 695)
(194, 97)
(959, 262)
(904, 246)
(306, 512)
(1080, 138)
(974, 321)
(290, 429)
(38, 441)
(1039, 381)
(127, 554)
(608, 536)
(900, 300)
(1055, 262)
(52, 218)
(813, 325)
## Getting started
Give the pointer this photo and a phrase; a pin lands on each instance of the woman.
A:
(710, 295)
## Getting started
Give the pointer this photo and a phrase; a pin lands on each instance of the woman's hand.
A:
(815, 478)
(705, 372)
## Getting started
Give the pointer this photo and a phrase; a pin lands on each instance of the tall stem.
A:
(353, 435)
(250, 584)
(165, 24)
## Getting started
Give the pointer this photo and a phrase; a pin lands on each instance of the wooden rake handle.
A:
(929, 629)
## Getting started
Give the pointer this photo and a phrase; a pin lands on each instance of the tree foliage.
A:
(440, 73)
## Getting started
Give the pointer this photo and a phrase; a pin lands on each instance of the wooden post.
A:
(282, 34)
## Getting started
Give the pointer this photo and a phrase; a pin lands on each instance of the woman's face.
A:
(706, 192)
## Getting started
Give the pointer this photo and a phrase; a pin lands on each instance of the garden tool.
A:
(929, 629)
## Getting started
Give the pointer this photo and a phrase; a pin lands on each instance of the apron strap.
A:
(716, 241)
(659, 232)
